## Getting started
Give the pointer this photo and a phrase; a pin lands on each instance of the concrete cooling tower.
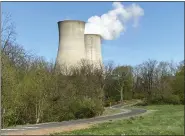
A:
(93, 48)
(71, 42)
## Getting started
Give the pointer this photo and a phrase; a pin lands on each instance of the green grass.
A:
(167, 120)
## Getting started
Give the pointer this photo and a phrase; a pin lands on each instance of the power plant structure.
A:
(93, 48)
(75, 46)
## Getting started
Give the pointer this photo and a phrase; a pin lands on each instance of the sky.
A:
(159, 34)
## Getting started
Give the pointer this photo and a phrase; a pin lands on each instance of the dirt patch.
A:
(49, 131)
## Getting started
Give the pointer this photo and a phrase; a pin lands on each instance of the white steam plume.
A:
(111, 24)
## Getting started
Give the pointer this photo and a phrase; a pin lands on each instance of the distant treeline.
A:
(154, 82)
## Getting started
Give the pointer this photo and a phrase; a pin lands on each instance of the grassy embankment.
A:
(165, 120)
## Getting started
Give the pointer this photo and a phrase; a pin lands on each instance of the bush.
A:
(106, 103)
(159, 99)
(127, 95)
(117, 98)
(84, 112)
(172, 99)
(86, 108)
(143, 103)
(9, 119)
(68, 116)
(139, 95)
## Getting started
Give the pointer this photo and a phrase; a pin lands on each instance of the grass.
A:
(166, 120)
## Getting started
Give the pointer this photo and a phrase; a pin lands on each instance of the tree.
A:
(7, 31)
(8, 92)
(137, 82)
(123, 80)
(178, 83)
(148, 72)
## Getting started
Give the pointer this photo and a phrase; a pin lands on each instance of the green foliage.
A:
(178, 84)
(33, 91)
(9, 94)
(156, 82)
(86, 109)
(38, 93)
(172, 99)
(119, 84)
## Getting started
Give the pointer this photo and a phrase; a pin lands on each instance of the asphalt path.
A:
(132, 112)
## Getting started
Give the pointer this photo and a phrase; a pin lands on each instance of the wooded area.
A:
(33, 91)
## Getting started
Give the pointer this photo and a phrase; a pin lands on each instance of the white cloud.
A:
(113, 23)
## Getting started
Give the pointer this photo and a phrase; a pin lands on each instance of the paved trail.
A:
(24, 128)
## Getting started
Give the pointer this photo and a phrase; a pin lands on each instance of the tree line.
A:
(34, 91)
(154, 82)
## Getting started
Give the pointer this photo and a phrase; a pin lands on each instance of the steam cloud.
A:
(113, 23)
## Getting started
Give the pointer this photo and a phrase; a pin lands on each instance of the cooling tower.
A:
(93, 48)
(71, 42)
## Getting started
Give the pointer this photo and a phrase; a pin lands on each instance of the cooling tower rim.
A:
(94, 34)
(71, 21)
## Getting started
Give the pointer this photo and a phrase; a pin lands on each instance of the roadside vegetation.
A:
(163, 120)
(126, 104)
(34, 91)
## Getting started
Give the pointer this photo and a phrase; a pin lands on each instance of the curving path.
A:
(128, 113)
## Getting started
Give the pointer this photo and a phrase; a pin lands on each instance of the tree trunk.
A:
(133, 93)
(38, 113)
(121, 93)
(38, 120)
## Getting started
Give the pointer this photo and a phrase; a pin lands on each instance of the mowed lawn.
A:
(166, 120)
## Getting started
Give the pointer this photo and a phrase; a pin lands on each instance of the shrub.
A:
(127, 95)
(172, 99)
(68, 116)
(86, 108)
(142, 103)
(85, 112)
(164, 99)
(139, 95)
(155, 100)
(9, 118)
